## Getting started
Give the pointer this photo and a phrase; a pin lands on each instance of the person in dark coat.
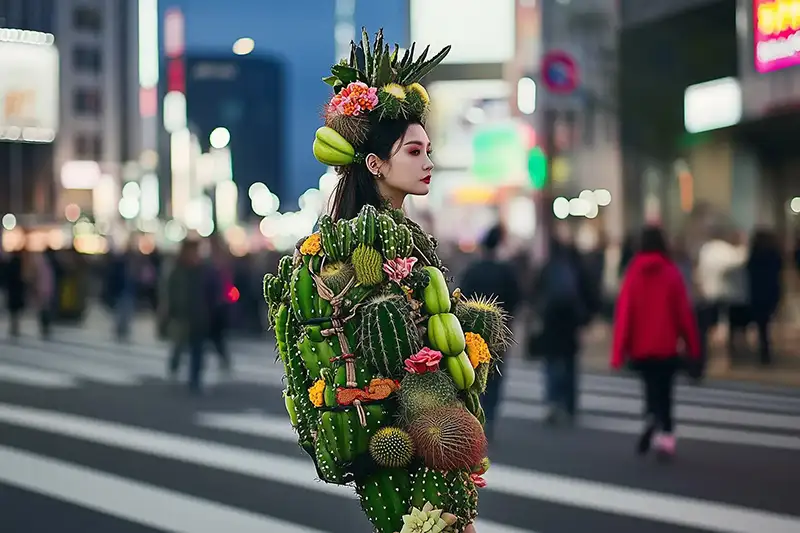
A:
(565, 302)
(764, 268)
(493, 277)
(16, 289)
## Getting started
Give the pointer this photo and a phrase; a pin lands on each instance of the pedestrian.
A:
(493, 277)
(653, 317)
(565, 303)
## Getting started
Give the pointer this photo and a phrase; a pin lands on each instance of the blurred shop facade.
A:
(505, 145)
(709, 91)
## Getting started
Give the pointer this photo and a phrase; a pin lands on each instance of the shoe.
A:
(646, 438)
(664, 443)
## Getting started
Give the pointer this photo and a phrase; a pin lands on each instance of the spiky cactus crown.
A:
(395, 80)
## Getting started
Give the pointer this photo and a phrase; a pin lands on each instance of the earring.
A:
(378, 176)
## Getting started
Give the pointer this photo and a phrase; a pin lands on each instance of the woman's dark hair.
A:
(357, 186)
(653, 240)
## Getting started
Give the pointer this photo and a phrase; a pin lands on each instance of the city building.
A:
(238, 102)
(29, 109)
(709, 108)
(109, 110)
(79, 105)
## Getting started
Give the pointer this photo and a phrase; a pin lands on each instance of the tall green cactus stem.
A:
(388, 334)
(387, 230)
(384, 498)
(453, 492)
(330, 471)
(328, 238)
(405, 242)
(366, 226)
(346, 236)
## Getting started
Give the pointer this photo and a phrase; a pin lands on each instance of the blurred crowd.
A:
(200, 295)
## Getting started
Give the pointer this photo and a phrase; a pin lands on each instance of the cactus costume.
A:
(384, 365)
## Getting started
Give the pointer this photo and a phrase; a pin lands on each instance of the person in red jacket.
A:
(653, 318)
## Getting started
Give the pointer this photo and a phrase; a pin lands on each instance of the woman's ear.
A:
(374, 164)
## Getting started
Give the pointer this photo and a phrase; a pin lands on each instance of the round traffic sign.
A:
(559, 72)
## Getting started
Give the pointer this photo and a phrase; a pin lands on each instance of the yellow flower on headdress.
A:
(315, 393)
(396, 90)
(477, 349)
(312, 245)
(420, 90)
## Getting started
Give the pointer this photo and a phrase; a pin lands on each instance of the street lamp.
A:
(220, 138)
(244, 46)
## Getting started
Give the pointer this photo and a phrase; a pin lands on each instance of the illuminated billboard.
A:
(29, 90)
(478, 33)
(776, 34)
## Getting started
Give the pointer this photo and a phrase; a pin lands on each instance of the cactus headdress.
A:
(375, 83)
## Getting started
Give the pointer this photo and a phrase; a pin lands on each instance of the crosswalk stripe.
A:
(33, 377)
(131, 500)
(255, 358)
(759, 439)
(526, 390)
(689, 413)
(524, 483)
(72, 367)
(283, 469)
(638, 503)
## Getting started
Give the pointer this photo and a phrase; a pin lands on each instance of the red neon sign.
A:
(776, 34)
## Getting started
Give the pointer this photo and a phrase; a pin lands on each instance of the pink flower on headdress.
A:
(399, 268)
(355, 99)
(426, 360)
(478, 480)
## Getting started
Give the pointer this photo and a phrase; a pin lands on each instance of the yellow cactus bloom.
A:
(396, 90)
(477, 349)
(312, 245)
(420, 90)
(315, 393)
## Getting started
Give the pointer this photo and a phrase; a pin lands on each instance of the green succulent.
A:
(378, 65)
(427, 520)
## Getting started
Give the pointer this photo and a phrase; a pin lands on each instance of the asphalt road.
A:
(93, 437)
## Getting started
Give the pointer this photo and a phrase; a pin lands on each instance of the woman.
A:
(653, 316)
(764, 268)
(384, 364)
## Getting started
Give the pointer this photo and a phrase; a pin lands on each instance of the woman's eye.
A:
(414, 152)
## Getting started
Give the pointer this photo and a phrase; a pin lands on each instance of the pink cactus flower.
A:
(426, 360)
(478, 480)
(399, 268)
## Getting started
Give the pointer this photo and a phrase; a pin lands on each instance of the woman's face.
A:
(408, 170)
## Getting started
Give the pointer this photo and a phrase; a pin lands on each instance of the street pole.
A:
(344, 28)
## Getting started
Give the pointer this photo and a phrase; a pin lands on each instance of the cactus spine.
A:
(388, 335)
